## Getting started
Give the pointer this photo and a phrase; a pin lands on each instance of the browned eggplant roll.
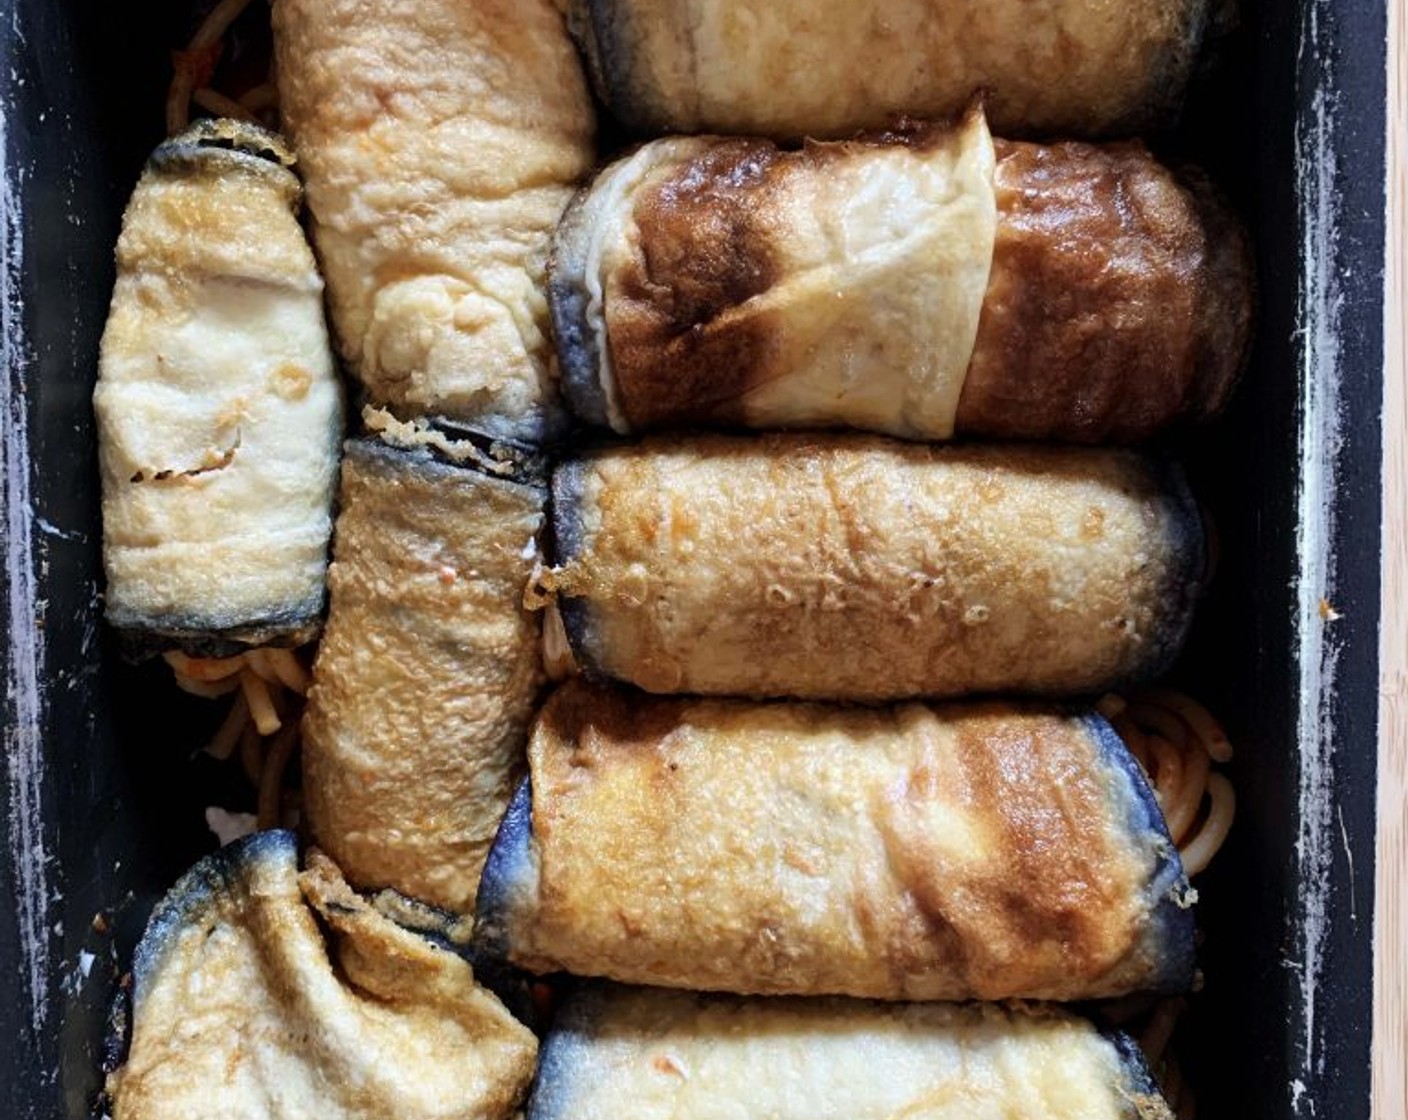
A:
(919, 282)
(646, 1054)
(829, 67)
(263, 993)
(425, 682)
(858, 568)
(439, 142)
(987, 851)
(219, 413)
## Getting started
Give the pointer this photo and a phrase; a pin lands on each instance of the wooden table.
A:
(1390, 1046)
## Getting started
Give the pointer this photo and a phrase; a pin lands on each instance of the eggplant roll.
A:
(642, 1054)
(791, 68)
(842, 567)
(219, 413)
(260, 993)
(988, 851)
(428, 672)
(439, 141)
(916, 282)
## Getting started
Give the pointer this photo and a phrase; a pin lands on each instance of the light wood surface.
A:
(1390, 1046)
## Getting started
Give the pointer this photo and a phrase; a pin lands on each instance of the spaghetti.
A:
(194, 70)
(262, 725)
(1176, 740)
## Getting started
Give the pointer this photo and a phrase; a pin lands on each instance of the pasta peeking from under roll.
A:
(858, 568)
(439, 141)
(428, 671)
(218, 409)
(795, 68)
(987, 852)
(263, 993)
(644, 1054)
(916, 282)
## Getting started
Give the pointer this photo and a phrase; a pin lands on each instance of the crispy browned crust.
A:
(1119, 299)
(680, 351)
(427, 675)
(983, 851)
(858, 568)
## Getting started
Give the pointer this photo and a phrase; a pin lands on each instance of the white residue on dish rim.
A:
(24, 759)
(1320, 302)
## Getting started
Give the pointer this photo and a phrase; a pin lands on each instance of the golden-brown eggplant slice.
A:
(260, 993)
(794, 68)
(219, 413)
(439, 141)
(644, 1054)
(989, 851)
(859, 568)
(915, 282)
(428, 671)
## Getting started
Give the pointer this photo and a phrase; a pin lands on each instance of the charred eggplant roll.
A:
(439, 141)
(793, 68)
(643, 1054)
(840, 567)
(428, 671)
(989, 851)
(219, 413)
(918, 282)
(262, 993)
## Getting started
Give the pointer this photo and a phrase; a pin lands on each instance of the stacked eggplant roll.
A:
(440, 143)
(746, 583)
(827, 811)
(219, 417)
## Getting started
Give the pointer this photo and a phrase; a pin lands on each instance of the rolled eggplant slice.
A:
(825, 68)
(918, 282)
(440, 141)
(854, 568)
(426, 678)
(987, 851)
(243, 1007)
(643, 1054)
(219, 412)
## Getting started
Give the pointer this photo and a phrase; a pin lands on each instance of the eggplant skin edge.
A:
(579, 355)
(508, 865)
(1173, 930)
(198, 888)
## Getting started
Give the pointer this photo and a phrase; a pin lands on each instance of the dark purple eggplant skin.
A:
(578, 355)
(566, 543)
(1174, 930)
(508, 865)
(188, 903)
(194, 893)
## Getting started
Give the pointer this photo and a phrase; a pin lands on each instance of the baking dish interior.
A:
(115, 801)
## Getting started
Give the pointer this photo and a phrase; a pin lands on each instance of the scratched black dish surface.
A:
(104, 807)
